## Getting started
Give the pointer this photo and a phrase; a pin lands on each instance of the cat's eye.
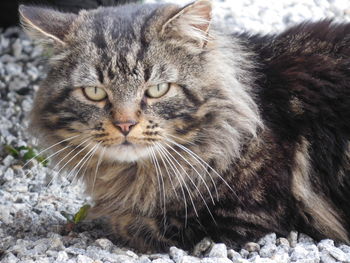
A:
(95, 93)
(158, 91)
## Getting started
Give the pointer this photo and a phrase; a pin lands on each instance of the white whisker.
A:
(200, 176)
(205, 163)
(200, 163)
(157, 173)
(48, 148)
(65, 158)
(88, 160)
(184, 182)
(85, 157)
(195, 186)
(167, 171)
(97, 166)
(163, 186)
(178, 175)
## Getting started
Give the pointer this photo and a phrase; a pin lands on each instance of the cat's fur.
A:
(265, 119)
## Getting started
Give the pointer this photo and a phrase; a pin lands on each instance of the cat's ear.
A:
(46, 24)
(192, 21)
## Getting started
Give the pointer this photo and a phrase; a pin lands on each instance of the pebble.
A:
(244, 253)
(176, 254)
(293, 238)
(218, 251)
(268, 250)
(104, 244)
(252, 247)
(202, 247)
(233, 255)
(302, 238)
(268, 239)
(17, 48)
(84, 259)
(143, 259)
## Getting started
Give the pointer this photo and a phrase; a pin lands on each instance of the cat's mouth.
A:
(126, 143)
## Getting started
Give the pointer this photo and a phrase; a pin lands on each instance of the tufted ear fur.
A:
(192, 21)
(47, 25)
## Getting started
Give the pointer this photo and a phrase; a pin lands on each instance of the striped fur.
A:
(252, 137)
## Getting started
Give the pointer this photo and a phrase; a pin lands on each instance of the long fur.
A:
(252, 137)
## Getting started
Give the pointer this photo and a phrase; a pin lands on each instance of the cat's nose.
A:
(125, 127)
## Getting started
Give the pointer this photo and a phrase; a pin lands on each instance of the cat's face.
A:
(121, 83)
(127, 80)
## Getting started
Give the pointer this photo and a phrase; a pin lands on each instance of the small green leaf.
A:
(42, 160)
(11, 150)
(81, 215)
(30, 154)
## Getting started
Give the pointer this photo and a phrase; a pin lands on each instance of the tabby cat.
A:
(181, 131)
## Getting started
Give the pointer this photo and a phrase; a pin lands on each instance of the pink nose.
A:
(125, 127)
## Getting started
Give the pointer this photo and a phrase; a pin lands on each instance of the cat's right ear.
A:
(46, 25)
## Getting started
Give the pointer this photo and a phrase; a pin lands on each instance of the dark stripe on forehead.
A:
(143, 39)
(99, 74)
(147, 72)
(99, 27)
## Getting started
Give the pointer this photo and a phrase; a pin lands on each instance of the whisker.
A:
(75, 155)
(186, 186)
(167, 171)
(205, 163)
(88, 160)
(55, 153)
(97, 166)
(200, 163)
(48, 148)
(189, 177)
(179, 138)
(200, 176)
(178, 174)
(157, 173)
(163, 186)
(81, 160)
(65, 158)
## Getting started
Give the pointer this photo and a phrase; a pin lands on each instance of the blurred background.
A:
(9, 8)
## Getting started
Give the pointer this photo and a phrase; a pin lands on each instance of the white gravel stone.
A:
(176, 254)
(218, 251)
(268, 239)
(143, 259)
(268, 250)
(293, 238)
(104, 243)
(233, 255)
(84, 259)
(252, 247)
(184, 260)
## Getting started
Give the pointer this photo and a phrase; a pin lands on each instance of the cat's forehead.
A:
(119, 26)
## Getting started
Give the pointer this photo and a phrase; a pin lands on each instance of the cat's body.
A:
(252, 136)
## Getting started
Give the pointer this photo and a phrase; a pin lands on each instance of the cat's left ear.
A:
(192, 22)
(47, 25)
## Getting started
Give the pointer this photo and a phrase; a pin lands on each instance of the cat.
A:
(181, 131)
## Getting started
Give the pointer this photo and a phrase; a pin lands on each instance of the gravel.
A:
(32, 225)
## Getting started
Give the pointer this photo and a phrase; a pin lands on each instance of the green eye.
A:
(157, 91)
(95, 93)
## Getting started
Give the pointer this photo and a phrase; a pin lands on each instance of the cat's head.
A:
(126, 80)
